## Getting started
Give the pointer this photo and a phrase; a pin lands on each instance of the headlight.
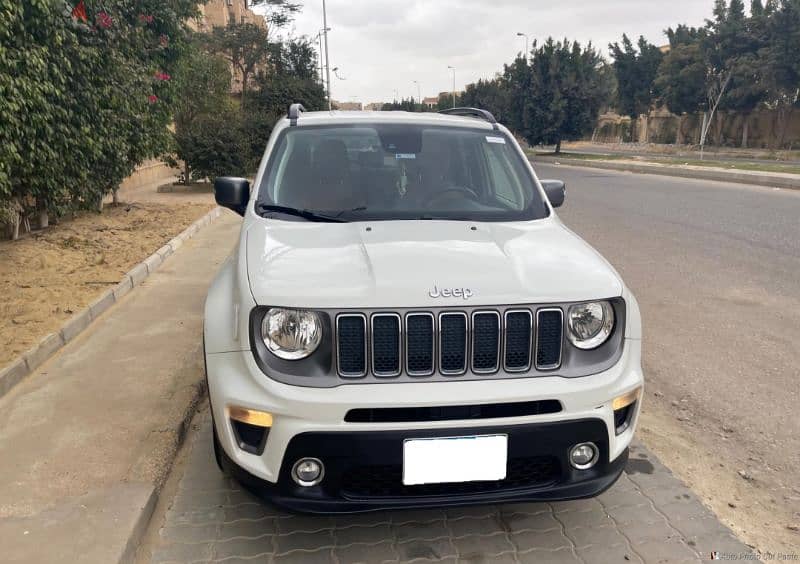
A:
(590, 324)
(291, 334)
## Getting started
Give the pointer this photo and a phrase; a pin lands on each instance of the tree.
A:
(291, 78)
(636, 72)
(681, 79)
(566, 92)
(489, 95)
(208, 74)
(781, 67)
(245, 45)
(86, 97)
(279, 12)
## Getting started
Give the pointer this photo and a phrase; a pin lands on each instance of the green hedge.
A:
(85, 95)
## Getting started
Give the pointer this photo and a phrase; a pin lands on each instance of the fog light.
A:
(584, 456)
(308, 472)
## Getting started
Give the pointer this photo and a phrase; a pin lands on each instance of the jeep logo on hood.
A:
(465, 293)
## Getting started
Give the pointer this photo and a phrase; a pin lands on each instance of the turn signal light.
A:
(250, 416)
(626, 399)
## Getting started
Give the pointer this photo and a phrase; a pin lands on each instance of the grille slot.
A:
(518, 334)
(420, 338)
(351, 346)
(453, 343)
(549, 329)
(485, 342)
(386, 345)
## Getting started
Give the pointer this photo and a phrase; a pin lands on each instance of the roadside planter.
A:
(407, 323)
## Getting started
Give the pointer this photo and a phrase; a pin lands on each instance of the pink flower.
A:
(104, 20)
(164, 40)
(146, 18)
(152, 98)
(160, 75)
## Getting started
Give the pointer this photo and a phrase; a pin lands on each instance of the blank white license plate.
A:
(454, 459)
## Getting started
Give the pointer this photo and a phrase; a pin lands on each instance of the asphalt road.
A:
(716, 270)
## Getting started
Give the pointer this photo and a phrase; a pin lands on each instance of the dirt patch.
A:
(754, 504)
(47, 277)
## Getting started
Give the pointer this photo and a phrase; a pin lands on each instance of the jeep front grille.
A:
(449, 343)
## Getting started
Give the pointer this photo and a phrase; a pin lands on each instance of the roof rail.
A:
(294, 113)
(472, 112)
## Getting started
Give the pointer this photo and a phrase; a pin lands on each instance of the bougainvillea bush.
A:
(85, 95)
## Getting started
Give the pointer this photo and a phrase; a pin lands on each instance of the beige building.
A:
(219, 13)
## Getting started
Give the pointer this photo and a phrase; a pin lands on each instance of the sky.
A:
(383, 46)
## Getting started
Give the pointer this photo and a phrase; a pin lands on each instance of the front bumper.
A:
(363, 470)
(311, 422)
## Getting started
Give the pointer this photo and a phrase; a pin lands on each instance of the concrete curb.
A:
(777, 180)
(18, 369)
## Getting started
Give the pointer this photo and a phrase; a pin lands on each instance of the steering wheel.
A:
(449, 192)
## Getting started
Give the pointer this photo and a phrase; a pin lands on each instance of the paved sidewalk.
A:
(649, 516)
(87, 440)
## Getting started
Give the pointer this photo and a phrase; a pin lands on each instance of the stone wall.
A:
(768, 129)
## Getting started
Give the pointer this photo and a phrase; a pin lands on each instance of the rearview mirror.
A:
(232, 193)
(556, 191)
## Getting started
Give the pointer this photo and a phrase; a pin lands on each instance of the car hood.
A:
(408, 264)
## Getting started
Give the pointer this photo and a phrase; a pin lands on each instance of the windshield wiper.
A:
(305, 214)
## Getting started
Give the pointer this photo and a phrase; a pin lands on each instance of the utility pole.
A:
(454, 84)
(327, 60)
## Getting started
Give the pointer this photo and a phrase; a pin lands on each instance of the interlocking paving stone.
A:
(599, 554)
(553, 539)
(475, 558)
(324, 556)
(648, 516)
(367, 553)
(469, 526)
(426, 549)
(244, 548)
(286, 543)
(364, 535)
(487, 545)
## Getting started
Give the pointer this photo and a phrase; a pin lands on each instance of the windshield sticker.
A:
(498, 140)
(405, 156)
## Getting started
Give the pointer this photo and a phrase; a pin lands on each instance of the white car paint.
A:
(398, 264)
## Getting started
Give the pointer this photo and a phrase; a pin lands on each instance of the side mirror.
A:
(556, 190)
(232, 193)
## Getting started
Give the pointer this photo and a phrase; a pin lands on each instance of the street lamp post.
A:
(527, 45)
(454, 83)
(419, 92)
(321, 54)
(327, 60)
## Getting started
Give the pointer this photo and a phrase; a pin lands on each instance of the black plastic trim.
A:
(340, 451)
(472, 112)
(451, 412)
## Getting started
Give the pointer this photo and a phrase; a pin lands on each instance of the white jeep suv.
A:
(405, 322)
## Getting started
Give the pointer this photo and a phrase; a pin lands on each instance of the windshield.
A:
(386, 172)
